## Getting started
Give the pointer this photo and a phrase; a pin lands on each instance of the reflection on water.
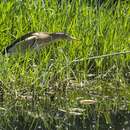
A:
(55, 120)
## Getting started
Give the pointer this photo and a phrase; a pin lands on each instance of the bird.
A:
(34, 40)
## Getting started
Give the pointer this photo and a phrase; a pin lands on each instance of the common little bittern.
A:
(35, 40)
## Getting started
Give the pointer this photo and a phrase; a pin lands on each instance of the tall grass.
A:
(57, 69)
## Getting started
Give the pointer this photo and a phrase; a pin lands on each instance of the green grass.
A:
(57, 69)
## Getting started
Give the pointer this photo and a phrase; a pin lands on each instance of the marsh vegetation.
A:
(43, 90)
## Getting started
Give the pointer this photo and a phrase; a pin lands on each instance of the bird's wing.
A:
(27, 42)
(18, 41)
(43, 38)
(41, 35)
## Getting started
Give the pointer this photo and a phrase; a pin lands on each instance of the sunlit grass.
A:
(51, 73)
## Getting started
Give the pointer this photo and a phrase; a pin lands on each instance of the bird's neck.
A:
(56, 37)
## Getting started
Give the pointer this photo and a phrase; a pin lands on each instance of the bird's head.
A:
(61, 35)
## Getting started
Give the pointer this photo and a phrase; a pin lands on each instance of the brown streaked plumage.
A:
(34, 40)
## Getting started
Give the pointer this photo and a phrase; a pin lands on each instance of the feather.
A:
(17, 41)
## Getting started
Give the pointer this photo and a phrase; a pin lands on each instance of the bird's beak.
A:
(73, 38)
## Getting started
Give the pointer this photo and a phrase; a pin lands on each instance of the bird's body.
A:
(35, 40)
